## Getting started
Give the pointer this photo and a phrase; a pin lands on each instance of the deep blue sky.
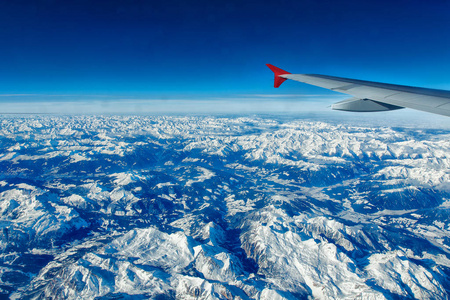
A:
(193, 49)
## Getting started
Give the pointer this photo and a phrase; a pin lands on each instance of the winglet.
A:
(277, 72)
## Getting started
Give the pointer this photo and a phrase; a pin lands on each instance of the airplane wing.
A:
(373, 96)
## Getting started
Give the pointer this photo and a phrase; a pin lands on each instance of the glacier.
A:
(222, 207)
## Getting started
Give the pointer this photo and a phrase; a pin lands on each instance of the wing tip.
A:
(277, 72)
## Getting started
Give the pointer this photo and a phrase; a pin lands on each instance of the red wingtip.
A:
(277, 72)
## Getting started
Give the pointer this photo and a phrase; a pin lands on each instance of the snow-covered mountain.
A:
(222, 208)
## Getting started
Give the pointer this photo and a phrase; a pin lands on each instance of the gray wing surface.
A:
(374, 96)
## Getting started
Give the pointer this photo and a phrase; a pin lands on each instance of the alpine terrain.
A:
(195, 207)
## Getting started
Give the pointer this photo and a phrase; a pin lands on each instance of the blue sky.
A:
(196, 50)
